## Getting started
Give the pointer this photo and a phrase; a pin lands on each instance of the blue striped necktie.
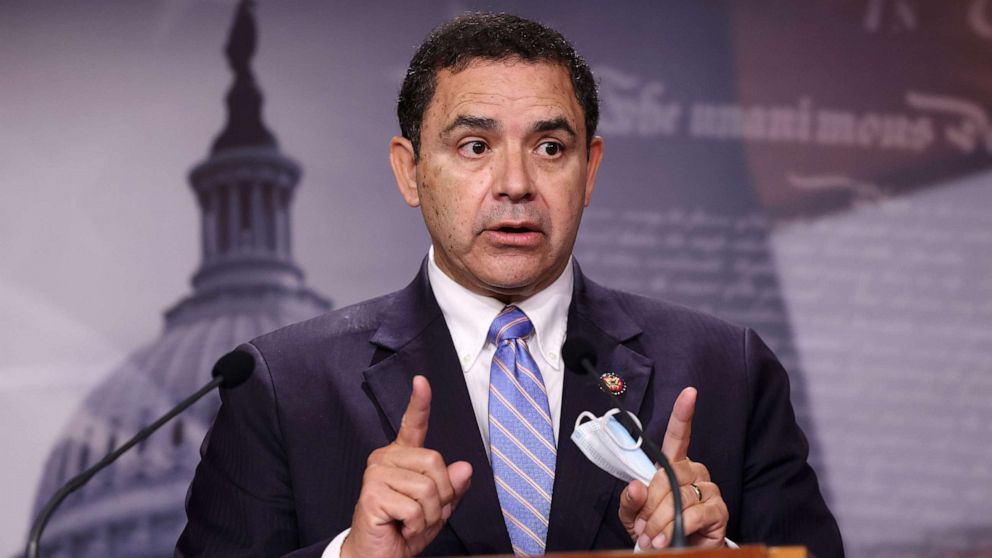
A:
(522, 440)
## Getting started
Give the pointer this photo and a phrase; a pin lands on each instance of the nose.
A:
(513, 176)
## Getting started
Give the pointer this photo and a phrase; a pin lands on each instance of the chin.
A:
(512, 283)
(516, 274)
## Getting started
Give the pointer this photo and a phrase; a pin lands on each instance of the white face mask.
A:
(608, 444)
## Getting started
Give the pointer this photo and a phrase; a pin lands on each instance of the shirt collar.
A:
(469, 315)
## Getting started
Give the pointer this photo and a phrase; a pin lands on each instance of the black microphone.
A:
(580, 357)
(230, 372)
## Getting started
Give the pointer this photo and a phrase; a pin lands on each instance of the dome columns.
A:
(245, 196)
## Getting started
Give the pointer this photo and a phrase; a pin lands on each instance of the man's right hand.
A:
(407, 492)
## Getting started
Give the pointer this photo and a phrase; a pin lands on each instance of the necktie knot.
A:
(510, 324)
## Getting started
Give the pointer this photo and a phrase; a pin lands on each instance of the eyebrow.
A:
(471, 122)
(490, 124)
(552, 125)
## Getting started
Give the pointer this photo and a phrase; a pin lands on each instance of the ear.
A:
(404, 164)
(592, 166)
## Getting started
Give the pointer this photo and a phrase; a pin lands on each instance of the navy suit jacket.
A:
(282, 466)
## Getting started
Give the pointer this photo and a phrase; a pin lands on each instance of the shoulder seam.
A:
(275, 396)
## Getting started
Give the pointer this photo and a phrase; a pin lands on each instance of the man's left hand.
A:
(647, 511)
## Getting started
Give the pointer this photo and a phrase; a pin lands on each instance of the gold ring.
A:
(699, 493)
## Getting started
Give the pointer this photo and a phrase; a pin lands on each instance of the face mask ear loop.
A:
(583, 415)
(613, 436)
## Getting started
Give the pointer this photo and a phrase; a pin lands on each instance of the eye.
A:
(551, 149)
(473, 149)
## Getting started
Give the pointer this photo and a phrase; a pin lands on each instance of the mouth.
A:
(513, 229)
(515, 234)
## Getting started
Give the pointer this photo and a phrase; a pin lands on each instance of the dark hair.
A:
(456, 43)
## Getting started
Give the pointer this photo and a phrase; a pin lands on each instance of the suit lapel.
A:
(582, 490)
(415, 329)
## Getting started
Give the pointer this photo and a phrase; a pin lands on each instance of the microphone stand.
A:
(77, 482)
(651, 449)
(678, 529)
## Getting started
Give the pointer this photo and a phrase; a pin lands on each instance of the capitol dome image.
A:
(247, 284)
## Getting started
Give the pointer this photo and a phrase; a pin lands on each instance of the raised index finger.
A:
(413, 427)
(676, 443)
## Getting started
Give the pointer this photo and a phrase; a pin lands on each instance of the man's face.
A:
(503, 175)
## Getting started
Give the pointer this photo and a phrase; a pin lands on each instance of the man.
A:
(435, 420)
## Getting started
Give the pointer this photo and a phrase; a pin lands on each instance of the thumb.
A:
(413, 426)
(460, 475)
(632, 500)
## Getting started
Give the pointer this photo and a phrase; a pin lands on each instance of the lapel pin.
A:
(613, 383)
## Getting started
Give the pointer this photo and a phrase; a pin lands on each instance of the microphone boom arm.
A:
(659, 459)
(580, 357)
(77, 482)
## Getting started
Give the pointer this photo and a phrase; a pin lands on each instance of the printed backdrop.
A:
(819, 171)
